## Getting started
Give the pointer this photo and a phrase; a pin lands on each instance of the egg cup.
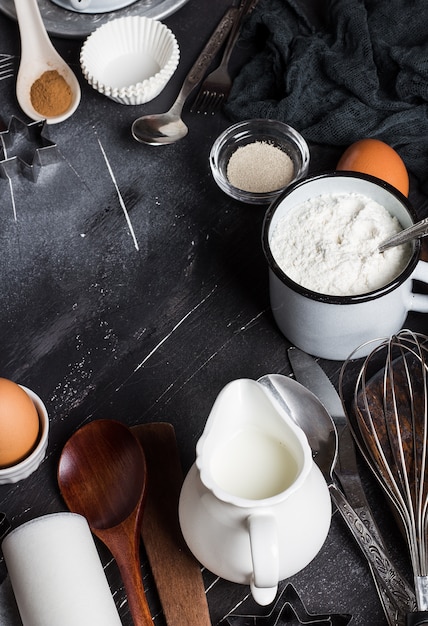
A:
(31, 462)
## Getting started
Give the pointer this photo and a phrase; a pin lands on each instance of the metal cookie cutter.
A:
(289, 610)
(25, 149)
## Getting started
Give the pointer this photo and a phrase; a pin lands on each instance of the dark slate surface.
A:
(101, 329)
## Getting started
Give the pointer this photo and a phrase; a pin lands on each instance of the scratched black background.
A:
(101, 329)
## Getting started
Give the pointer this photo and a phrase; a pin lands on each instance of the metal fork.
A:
(217, 85)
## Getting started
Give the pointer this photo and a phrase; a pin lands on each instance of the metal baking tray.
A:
(73, 25)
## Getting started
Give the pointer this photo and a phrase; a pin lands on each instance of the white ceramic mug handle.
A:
(419, 301)
(264, 552)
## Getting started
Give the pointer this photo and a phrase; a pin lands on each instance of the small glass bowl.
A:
(270, 131)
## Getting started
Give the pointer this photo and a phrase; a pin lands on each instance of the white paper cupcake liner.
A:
(130, 59)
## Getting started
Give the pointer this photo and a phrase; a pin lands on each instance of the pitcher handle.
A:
(265, 556)
(419, 301)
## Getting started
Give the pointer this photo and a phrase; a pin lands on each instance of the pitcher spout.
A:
(249, 450)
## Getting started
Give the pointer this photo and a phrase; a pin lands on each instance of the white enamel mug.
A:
(331, 327)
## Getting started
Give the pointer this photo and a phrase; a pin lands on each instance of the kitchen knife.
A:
(310, 374)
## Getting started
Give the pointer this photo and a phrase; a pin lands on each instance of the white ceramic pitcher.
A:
(254, 508)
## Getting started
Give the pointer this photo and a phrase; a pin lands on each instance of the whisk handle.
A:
(395, 586)
(417, 619)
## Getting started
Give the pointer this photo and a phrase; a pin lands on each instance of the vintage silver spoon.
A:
(417, 231)
(311, 416)
(165, 128)
(38, 55)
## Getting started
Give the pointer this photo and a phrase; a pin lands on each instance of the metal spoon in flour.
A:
(38, 55)
(417, 231)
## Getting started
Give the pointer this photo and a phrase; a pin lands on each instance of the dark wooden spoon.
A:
(102, 476)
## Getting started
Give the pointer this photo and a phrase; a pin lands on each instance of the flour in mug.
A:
(328, 244)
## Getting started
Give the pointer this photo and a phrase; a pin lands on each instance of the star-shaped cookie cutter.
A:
(289, 610)
(25, 149)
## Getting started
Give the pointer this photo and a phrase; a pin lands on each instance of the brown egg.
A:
(374, 157)
(19, 423)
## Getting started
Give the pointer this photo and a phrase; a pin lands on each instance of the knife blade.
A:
(310, 374)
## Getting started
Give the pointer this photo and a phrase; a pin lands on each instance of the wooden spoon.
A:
(102, 476)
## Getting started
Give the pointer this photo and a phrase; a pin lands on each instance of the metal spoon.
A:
(38, 56)
(102, 476)
(308, 413)
(165, 128)
(418, 230)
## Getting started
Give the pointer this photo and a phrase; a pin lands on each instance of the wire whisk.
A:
(389, 419)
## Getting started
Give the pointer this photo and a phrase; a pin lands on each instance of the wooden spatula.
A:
(176, 572)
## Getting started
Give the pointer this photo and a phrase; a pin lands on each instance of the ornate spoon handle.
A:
(213, 45)
(395, 587)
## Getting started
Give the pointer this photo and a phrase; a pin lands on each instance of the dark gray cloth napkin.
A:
(363, 74)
